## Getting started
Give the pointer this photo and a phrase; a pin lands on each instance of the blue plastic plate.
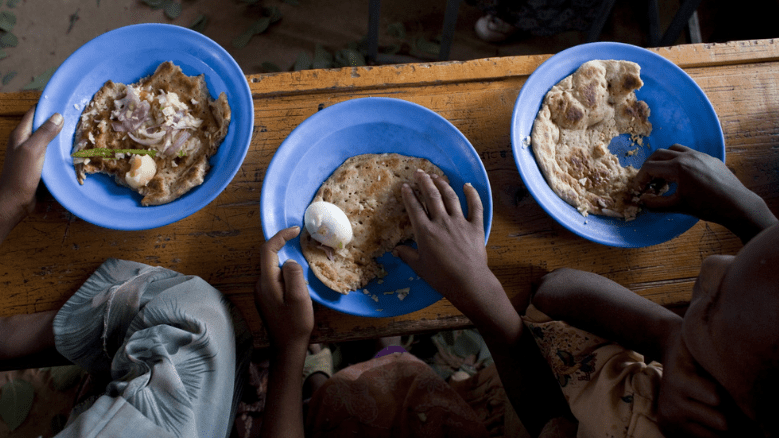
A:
(126, 55)
(313, 150)
(679, 112)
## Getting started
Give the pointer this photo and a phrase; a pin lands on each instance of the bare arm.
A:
(22, 335)
(602, 307)
(451, 257)
(285, 306)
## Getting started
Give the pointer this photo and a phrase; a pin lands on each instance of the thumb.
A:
(660, 203)
(46, 132)
(409, 255)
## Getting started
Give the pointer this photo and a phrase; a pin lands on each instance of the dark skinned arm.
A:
(287, 313)
(602, 307)
(706, 189)
(452, 258)
(23, 335)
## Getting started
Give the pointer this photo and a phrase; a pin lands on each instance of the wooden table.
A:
(49, 255)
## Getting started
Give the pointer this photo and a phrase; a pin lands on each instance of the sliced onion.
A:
(328, 252)
(174, 148)
(155, 135)
(143, 141)
(137, 117)
(129, 98)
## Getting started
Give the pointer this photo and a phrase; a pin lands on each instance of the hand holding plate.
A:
(22, 169)
(281, 296)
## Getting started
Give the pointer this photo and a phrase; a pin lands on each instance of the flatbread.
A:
(572, 131)
(367, 188)
(204, 119)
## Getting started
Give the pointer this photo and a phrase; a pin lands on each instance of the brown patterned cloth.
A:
(611, 390)
(396, 395)
(459, 354)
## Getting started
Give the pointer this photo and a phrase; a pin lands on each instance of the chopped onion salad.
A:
(158, 120)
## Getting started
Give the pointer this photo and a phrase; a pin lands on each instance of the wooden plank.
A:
(488, 69)
(51, 253)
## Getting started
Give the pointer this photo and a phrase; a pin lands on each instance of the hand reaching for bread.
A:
(451, 256)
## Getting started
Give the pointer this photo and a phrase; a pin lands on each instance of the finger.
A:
(44, 134)
(408, 254)
(656, 169)
(679, 148)
(23, 129)
(273, 245)
(269, 257)
(663, 155)
(35, 145)
(430, 194)
(416, 213)
(660, 203)
(475, 207)
(449, 196)
(295, 290)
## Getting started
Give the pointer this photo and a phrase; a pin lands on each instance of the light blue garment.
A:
(173, 346)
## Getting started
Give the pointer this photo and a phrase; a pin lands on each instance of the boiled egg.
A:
(328, 224)
(142, 170)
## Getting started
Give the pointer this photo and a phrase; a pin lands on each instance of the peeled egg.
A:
(142, 170)
(328, 224)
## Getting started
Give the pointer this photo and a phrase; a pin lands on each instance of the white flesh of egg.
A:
(328, 224)
(142, 170)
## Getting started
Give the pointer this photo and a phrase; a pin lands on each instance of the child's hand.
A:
(22, 167)
(706, 188)
(451, 256)
(688, 402)
(282, 297)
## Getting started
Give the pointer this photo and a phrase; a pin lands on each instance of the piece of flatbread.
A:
(572, 131)
(191, 110)
(367, 188)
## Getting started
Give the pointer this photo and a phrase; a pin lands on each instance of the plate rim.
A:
(240, 128)
(579, 51)
(278, 159)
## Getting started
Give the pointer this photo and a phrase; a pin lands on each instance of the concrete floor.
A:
(49, 31)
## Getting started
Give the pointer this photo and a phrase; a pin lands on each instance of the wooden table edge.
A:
(432, 73)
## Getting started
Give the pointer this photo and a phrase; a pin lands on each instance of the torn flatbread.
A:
(367, 188)
(578, 119)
